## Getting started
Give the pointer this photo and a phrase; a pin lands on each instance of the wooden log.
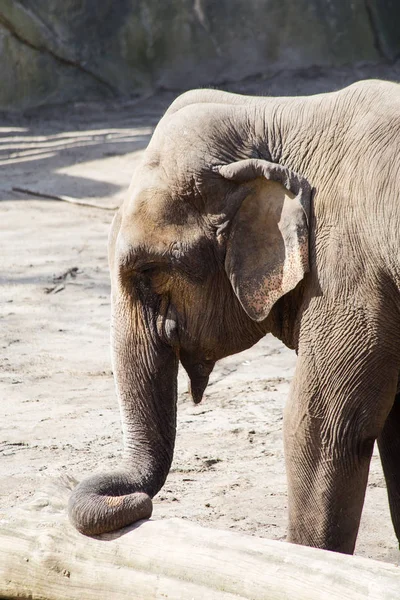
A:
(43, 557)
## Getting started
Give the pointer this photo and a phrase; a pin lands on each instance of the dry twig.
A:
(62, 198)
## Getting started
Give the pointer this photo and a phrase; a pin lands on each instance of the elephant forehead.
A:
(149, 203)
(135, 247)
(156, 200)
(145, 234)
(156, 223)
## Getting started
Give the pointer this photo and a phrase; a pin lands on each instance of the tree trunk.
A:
(43, 556)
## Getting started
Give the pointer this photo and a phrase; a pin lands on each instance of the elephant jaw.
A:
(199, 373)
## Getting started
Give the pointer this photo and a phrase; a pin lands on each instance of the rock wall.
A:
(63, 50)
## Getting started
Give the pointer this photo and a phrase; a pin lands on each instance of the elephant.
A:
(255, 215)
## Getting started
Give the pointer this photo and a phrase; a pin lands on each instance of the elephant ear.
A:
(267, 248)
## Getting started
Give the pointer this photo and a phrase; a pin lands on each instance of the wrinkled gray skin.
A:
(210, 252)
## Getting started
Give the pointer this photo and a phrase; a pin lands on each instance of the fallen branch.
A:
(62, 198)
(42, 556)
(72, 272)
(54, 289)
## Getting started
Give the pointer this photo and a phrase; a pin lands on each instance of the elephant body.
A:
(253, 215)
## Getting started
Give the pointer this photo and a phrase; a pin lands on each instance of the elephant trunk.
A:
(145, 371)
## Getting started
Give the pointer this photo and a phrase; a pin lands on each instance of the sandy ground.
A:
(58, 408)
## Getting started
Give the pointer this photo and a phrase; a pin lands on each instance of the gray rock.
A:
(61, 50)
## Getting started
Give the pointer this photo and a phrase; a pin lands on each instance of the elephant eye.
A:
(154, 274)
(149, 269)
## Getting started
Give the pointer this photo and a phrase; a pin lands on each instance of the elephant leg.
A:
(389, 449)
(341, 394)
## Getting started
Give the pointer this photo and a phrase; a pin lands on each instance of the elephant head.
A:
(211, 235)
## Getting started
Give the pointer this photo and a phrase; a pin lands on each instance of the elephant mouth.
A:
(199, 373)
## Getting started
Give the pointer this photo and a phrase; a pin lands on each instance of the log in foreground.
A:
(42, 556)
